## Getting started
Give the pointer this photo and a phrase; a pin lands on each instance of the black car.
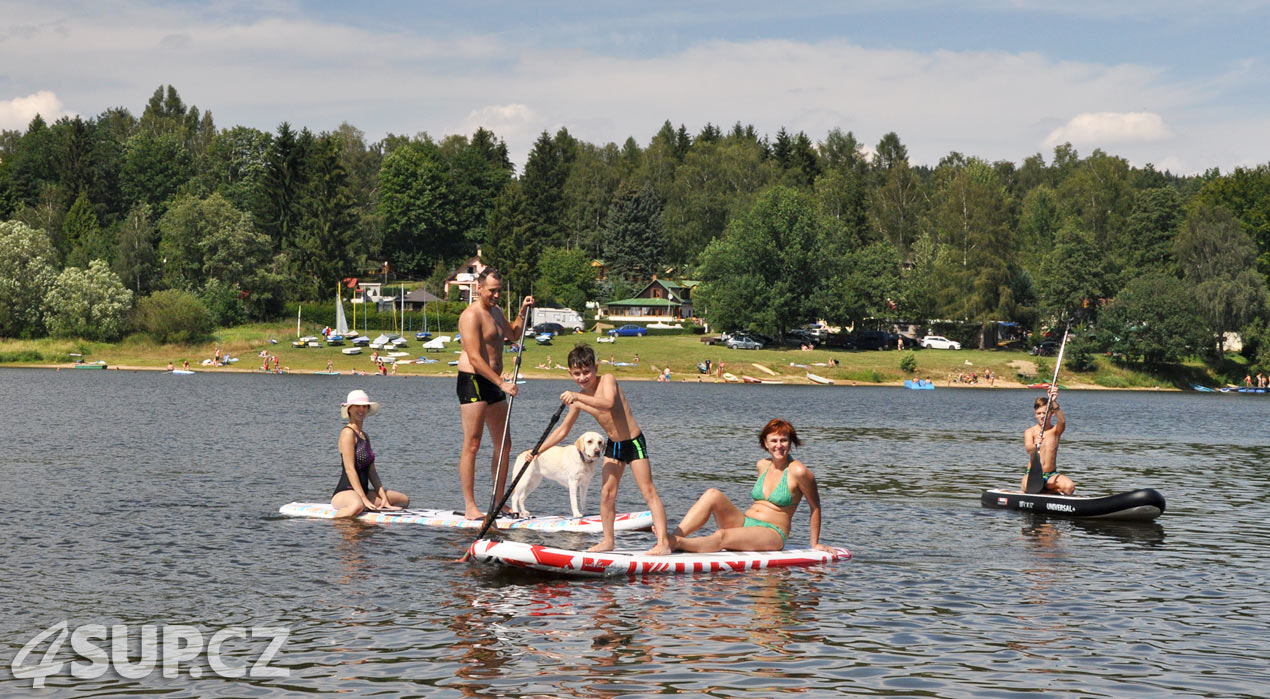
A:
(553, 328)
(909, 342)
(840, 341)
(1046, 349)
(873, 340)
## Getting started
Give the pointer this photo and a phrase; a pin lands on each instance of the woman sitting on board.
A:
(352, 495)
(782, 483)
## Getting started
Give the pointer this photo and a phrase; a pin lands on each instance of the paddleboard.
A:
(763, 369)
(1141, 505)
(625, 521)
(182, 372)
(327, 373)
(815, 378)
(517, 554)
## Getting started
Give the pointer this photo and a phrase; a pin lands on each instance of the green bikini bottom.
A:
(751, 522)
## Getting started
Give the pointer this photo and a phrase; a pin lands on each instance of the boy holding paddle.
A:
(1043, 438)
(602, 398)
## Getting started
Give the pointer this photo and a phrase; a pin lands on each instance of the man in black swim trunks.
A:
(481, 388)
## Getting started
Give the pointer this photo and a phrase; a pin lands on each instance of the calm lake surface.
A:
(146, 498)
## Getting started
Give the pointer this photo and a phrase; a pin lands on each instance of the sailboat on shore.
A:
(341, 322)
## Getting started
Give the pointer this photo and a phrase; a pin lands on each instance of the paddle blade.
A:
(1035, 479)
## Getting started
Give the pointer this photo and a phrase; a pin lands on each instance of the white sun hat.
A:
(358, 397)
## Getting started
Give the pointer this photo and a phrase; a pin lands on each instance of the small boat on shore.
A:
(1140, 505)
(352, 350)
(816, 378)
(99, 364)
(750, 379)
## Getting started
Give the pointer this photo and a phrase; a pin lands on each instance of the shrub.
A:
(173, 316)
(908, 362)
(89, 303)
(21, 356)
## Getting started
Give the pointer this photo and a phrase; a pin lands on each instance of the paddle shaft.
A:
(1035, 472)
(511, 487)
(507, 421)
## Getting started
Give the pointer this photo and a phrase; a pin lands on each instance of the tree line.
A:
(780, 229)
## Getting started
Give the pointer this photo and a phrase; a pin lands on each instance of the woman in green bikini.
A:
(782, 483)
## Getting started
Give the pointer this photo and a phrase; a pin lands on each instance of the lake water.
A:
(150, 499)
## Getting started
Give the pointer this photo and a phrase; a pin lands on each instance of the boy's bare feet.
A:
(603, 546)
(661, 549)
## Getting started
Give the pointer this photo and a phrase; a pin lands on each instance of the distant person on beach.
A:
(359, 487)
(782, 483)
(1047, 443)
(482, 390)
(602, 398)
(185, 364)
(171, 367)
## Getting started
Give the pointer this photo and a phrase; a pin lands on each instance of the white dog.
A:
(573, 466)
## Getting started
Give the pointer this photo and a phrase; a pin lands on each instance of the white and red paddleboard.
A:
(625, 521)
(516, 554)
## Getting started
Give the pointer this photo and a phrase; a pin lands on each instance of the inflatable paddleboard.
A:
(625, 521)
(517, 554)
(182, 372)
(1142, 505)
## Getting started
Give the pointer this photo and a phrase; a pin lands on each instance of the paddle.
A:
(511, 487)
(1035, 478)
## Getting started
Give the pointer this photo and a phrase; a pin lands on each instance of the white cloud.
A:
(510, 122)
(261, 65)
(17, 113)
(1102, 129)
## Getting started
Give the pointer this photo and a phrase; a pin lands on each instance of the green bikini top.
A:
(780, 497)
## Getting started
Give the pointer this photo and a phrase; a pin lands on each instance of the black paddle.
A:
(1035, 477)
(511, 487)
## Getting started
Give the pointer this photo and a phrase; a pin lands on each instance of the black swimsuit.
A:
(363, 460)
(474, 388)
(627, 450)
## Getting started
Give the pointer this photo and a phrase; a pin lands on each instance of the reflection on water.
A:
(140, 499)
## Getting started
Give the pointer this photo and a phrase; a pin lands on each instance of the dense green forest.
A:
(115, 223)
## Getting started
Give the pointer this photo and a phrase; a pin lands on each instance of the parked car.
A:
(553, 328)
(742, 342)
(840, 341)
(631, 330)
(873, 340)
(909, 342)
(939, 342)
(1045, 349)
(799, 337)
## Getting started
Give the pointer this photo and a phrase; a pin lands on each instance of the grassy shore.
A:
(680, 353)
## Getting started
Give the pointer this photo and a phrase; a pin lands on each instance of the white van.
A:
(567, 317)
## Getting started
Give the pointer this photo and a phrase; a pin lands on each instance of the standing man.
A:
(481, 388)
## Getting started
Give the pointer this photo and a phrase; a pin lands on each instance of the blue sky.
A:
(1183, 85)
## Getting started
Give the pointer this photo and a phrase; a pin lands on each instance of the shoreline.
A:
(542, 375)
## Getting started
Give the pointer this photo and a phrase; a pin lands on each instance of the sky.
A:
(1184, 86)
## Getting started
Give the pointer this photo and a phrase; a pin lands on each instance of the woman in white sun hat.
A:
(359, 487)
